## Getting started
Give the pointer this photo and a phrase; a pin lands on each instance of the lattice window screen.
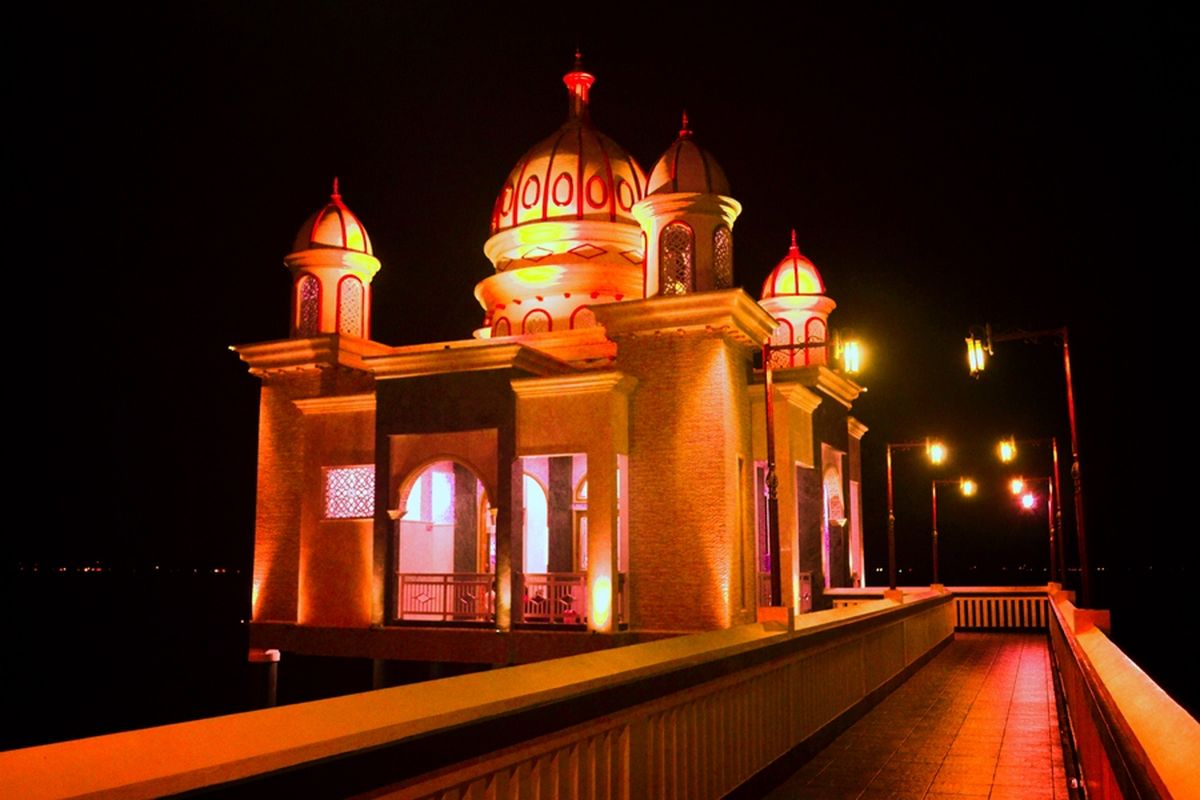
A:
(310, 305)
(350, 492)
(350, 307)
(676, 256)
(723, 257)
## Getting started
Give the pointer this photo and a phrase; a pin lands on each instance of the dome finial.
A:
(578, 83)
(684, 130)
(337, 195)
(794, 247)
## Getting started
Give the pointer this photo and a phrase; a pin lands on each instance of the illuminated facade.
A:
(592, 460)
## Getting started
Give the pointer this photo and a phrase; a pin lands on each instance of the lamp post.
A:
(1057, 554)
(849, 352)
(968, 488)
(979, 347)
(936, 451)
(1029, 501)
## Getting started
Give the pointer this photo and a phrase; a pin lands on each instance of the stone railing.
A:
(694, 716)
(1131, 739)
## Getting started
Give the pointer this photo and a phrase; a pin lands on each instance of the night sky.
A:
(942, 168)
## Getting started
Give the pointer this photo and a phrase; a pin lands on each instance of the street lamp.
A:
(1028, 502)
(980, 341)
(847, 353)
(936, 452)
(1007, 450)
(968, 488)
(1057, 554)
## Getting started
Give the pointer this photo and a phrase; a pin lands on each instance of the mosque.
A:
(590, 468)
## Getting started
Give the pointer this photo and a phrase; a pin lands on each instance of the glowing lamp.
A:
(976, 355)
(936, 452)
(602, 601)
(1028, 501)
(852, 356)
(968, 487)
(1007, 450)
(1016, 485)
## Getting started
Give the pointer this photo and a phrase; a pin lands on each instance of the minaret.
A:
(687, 218)
(332, 264)
(794, 295)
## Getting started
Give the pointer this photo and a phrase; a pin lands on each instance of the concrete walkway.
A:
(979, 720)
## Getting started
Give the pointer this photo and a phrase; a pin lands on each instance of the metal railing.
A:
(1001, 608)
(446, 597)
(555, 598)
(1132, 740)
(976, 608)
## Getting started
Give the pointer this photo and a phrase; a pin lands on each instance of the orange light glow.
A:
(602, 601)
(1016, 485)
(936, 451)
(1028, 501)
(537, 276)
(968, 487)
(1007, 450)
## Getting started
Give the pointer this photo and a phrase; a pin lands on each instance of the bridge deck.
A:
(978, 721)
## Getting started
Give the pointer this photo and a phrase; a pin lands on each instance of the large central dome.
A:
(575, 173)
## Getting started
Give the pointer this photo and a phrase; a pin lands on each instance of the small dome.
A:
(795, 275)
(333, 226)
(575, 173)
(687, 167)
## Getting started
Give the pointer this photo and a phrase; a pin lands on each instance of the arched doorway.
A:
(445, 548)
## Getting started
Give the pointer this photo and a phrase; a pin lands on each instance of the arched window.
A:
(783, 335)
(676, 257)
(350, 306)
(722, 258)
(536, 321)
(814, 333)
(502, 327)
(308, 297)
(583, 317)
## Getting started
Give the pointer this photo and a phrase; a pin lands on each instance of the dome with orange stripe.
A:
(575, 173)
(333, 225)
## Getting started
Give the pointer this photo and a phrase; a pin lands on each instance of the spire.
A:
(337, 195)
(795, 250)
(684, 130)
(578, 83)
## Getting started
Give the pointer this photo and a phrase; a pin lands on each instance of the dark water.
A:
(95, 653)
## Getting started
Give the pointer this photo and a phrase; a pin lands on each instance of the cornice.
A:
(730, 311)
(855, 428)
(796, 395)
(608, 381)
(302, 354)
(338, 404)
(464, 356)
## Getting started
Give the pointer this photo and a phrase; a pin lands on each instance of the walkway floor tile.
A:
(978, 721)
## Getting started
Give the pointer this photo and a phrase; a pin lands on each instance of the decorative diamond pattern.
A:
(587, 250)
(633, 256)
(536, 254)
